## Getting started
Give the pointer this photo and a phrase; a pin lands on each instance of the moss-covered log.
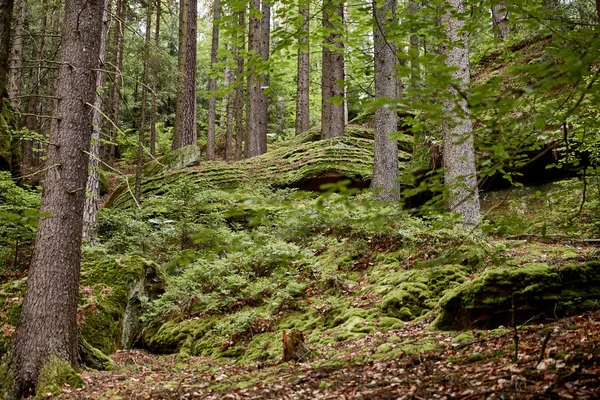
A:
(536, 292)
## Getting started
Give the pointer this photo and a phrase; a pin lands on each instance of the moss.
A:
(263, 347)
(390, 323)
(93, 358)
(462, 337)
(106, 287)
(536, 289)
(54, 374)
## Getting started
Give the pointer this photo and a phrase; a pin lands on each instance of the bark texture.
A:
(500, 20)
(115, 90)
(212, 83)
(332, 83)
(303, 88)
(92, 190)
(6, 9)
(420, 158)
(15, 62)
(185, 124)
(47, 324)
(256, 137)
(460, 175)
(239, 90)
(385, 170)
(154, 84)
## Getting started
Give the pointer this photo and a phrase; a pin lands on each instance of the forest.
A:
(299, 199)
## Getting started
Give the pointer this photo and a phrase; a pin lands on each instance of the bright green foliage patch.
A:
(535, 291)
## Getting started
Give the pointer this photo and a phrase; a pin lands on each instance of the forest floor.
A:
(557, 360)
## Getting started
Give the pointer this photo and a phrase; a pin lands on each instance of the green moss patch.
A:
(536, 291)
(54, 374)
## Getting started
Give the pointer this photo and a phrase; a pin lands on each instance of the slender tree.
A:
(115, 90)
(229, 104)
(332, 81)
(500, 19)
(239, 89)
(6, 8)
(47, 327)
(212, 83)
(460, 175)
(142, 127)
(15, 62)
(258, 42)
(385, 171)
(185, 119)
(155, 70)
(303, 86)
(93, 181)
(420, 158)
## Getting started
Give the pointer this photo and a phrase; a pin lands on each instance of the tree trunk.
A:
(6, 8)
(420, 159)
(385, 170)
(258, 47)
(239, 90)
(142, 128)
(460, 175)
(115, 92)
(229, 103)
(154, 83)
(33, 103)
(15, 62)
(212, 83)
(332, 113)
(93, 181)
(500, 20)
(303, 88)
(47, 325)
(265, 47)
(185, 124)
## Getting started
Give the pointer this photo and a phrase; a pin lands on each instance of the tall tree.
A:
(155, 70)
(332, 80)
(15, 62)
(500, 19)
(185, 118)
(460, 175)
(115, 89)
(142, 128)
(239, 89)
(47, 327)
(303, 85)
(258, 47)
(6, 8)
(385, 170)
(212, 83)
(92, 190)
(420, 158)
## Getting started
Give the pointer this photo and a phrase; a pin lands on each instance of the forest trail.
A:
(559, 360)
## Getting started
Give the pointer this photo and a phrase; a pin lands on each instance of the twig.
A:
(544, 343)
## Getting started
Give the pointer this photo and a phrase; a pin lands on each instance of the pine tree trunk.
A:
(154, 84)
(460, 175)
(239, 90)
(303, 88)
(229, 101)
(15, 62)
(6, 8)
(185, 124)
(385, 170)
(212, 83)
(142, 129)
(93, 181)
(332, 114)
(115, 91)
(500, 20)
(47, 325)
(258, 47)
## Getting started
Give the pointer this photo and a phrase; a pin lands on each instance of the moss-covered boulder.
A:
(535, 291)
(294, 163)
(112, 295)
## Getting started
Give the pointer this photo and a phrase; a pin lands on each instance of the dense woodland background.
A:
(203, 179)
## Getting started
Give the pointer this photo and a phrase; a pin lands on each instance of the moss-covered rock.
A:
(289, 165)
(536, 291)
(113, 293)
